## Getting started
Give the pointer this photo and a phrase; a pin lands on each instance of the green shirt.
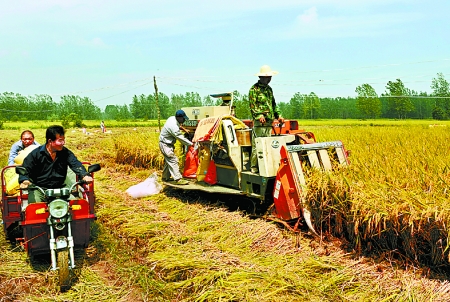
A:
(262, 102)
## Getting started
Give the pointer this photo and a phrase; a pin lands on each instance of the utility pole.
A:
(157, 103)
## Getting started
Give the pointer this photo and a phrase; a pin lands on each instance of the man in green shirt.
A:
(263, 108)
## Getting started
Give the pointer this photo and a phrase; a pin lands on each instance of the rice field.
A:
(383, 222)
(394, 197)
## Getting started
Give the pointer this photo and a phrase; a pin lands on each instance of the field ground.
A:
(188, 247)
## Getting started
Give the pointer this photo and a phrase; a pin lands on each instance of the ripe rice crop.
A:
(394, 197)
(141, 149)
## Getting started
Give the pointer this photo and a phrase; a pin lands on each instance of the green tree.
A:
(242, 107)
(423, 104)
(311, 105)
(43, 107)
(72, 120)
(441, 92)
(295, 107)
(285, 109)
(123, 113)
(111, 112)
(192, 99)
(81, 106)
(177, 101)
(15, 106)
(398, 99)
(209, 101)
(165, 107)
(141, 107)
(368, 102)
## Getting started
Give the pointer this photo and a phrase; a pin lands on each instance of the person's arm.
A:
(77, 167)
(183, 139)
(174, 130)
(184, 129)
(13, 153)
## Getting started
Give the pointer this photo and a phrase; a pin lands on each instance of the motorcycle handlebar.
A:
(80, 182)
(35, 187)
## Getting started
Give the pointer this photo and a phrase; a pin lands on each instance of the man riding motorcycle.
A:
(47, 166)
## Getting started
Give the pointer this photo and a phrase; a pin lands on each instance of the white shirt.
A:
(171, 132)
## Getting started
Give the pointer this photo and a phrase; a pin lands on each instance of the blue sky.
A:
(111, 50)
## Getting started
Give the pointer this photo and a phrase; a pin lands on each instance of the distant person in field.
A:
(26, 139)
(263, 108)
(47, 165)
(170, 133)
(102, 126)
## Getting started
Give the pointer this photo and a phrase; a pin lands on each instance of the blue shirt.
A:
(15, 149)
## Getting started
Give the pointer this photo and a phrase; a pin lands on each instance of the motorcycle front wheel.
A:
(63, 267)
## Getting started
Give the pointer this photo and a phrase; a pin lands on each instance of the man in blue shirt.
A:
(26, 139)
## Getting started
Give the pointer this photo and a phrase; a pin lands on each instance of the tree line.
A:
(397, 101)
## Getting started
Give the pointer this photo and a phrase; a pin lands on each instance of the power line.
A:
(25, 111)
(120, 93)
(324, 82)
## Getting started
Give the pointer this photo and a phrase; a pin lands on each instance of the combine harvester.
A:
(225, 142)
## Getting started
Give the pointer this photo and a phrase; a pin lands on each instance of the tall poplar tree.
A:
(368, 103)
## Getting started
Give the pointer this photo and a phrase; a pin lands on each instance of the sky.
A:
(112, 50)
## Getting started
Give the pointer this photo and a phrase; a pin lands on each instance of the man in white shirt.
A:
(167, 138)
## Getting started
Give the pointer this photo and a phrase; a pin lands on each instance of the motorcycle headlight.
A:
(58, 208)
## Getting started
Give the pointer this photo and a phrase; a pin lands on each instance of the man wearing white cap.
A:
(167, 138)
(263, 108)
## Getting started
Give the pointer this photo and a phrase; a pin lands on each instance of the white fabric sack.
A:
(150, 186)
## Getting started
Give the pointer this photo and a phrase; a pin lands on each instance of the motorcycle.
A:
(59, 224)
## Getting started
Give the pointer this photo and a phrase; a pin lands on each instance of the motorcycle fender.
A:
(61, 242)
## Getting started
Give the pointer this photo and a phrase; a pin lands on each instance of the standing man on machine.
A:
(263, 108)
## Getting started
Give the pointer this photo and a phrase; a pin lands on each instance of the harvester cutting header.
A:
(220, 160)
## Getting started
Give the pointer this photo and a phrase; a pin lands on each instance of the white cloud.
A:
(309, 16)
(97, 42)
(308, 24)
(3, 53)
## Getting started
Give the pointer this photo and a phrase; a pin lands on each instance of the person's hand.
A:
(88, 179)
(25, 184)
(262, 119)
